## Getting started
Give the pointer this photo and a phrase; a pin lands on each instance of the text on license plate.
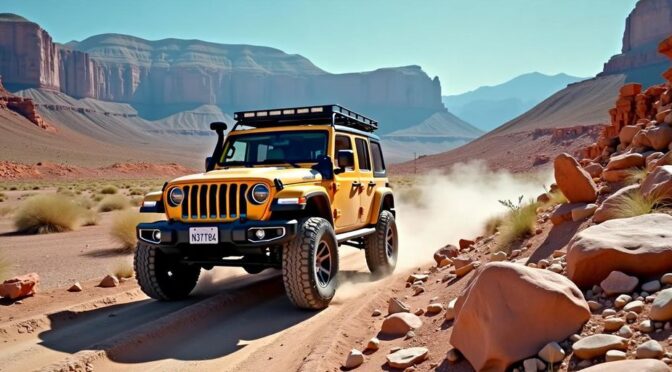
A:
(203, 235)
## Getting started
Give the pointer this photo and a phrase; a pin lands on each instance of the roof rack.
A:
(327, 114)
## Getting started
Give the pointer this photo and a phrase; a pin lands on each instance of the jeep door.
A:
(368, 185)
(345, 201)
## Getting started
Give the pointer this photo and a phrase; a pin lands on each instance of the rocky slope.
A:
(164, 77)
(586, 103)
(491, 106)
(586, 285)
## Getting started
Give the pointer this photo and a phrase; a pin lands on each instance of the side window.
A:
(363, 154)
(378, 162)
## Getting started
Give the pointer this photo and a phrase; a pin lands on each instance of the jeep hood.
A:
(288, 176)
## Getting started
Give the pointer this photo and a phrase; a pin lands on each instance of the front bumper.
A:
(231, 234)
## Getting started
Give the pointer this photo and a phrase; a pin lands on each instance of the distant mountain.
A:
(491, 106)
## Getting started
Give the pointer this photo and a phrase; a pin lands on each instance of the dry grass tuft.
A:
(492, 225)
(90, 217)
(519, 222)
(634, 204)
(6, 210)
(113, 203)
(635, 176)
(123, 269)
(109, 190)
(123, 227)
(47, 213)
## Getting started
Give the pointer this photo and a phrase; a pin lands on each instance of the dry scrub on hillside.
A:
(635, 176)
(47, 213)
(109, 190)
(634, 204)
(123, 227)
(517, 223)
(113, 203)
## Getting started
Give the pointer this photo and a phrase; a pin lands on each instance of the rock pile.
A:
(23, 106)
(20, 286)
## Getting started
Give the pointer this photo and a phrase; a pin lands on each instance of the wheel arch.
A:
(382, 201)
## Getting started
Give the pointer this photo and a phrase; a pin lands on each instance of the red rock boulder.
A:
(639, 246)
(503, 299)
(626, 161)
(20, 286)
(611, 207)
(574, 182)
(658, 183)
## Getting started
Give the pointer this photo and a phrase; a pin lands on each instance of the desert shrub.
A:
(89, 217)
(123, 269)
(557, 197)
(13, 188)
(65, 192)
(47, 213)
(113, 203)
(6, 210)
(123, 227)
(97, 197)
(635, 175)
(517, 223)
(634, 204)
(84, 202)
(109, 190)
(36, 187)
(136, 201)
(492, 225)
(137, 191)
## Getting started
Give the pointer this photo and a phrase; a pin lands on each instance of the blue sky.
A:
(467, 43)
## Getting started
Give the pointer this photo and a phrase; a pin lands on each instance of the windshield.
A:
(274, 148)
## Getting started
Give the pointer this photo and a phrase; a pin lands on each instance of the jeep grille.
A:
(214, 201)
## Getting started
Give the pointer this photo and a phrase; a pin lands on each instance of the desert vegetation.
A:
(123, 227)
(109, 190)
(113, 203)
(47, 213)
(123, 268)
(518, 222)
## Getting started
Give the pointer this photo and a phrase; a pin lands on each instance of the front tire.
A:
(310, 265)
(382, 247)
(161, 276)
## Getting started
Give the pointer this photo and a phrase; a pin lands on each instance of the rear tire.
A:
(310, 265)
(382, 247)
(161, 276)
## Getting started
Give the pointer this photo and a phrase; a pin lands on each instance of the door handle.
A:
(372, 184)
(356, 184)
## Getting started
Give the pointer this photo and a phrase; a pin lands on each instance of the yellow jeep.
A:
(272, 196)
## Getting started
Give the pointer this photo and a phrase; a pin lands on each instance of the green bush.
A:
(519, 222)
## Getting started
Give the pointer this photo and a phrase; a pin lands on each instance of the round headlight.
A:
(259, 193)
(175, 196)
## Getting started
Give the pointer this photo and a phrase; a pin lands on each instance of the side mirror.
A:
(345, 159)
(208, 163)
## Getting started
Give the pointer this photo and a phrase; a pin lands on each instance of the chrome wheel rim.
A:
(323, 264)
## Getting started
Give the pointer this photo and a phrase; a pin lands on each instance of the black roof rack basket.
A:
(326, 114)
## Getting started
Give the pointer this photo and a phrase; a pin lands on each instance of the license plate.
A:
(203, 235)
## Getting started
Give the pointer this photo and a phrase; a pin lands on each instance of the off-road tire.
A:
(380, 258)
(302, 284)
(153, 269)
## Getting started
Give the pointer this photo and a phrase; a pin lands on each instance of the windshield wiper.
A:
(293, 164)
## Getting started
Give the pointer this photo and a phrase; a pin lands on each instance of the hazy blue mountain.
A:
(489, 107)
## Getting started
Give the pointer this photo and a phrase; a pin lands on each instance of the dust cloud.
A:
(440, 209)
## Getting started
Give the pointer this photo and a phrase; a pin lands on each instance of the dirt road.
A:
(235, 322)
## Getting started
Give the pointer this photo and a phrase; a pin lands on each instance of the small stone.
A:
(543, 264)
(397, 306)
(417, 289)
(515, 253)
(597, 345)
(666, 279)
(614, 355)
(445, 262)
(405, 358)
(530, 365)
(622, 300)
(651, 287)
(354, 359)
(662, 306)
(651, 349)
(419, 312)
(556, 268)
(594, 305)
(618, 282)
(399, 324)
(625, 332)
(613, 324)
(410, 334)
(374, 344)
(417, 278)
(434, 308)
(450, 310)
(76, 287)
(453, 355)
(109, 282)
(552, 353)
(636, 306)
(646, 326)
(608, 312)
(376, 312)
(498, 256)
(631, 316)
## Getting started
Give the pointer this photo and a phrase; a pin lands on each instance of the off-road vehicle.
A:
(272, 196)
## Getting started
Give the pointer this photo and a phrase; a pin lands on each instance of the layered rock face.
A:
(166, 76)
(647, 24)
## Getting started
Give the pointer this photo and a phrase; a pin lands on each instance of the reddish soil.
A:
(52, 171)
